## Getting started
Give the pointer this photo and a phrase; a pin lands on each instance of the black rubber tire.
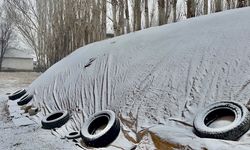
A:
(106, 135)
(55, 120)
(25, 100)
(73, 135)
(18, 94)
(233, 131)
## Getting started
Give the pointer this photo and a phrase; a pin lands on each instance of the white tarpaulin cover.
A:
(156, 80)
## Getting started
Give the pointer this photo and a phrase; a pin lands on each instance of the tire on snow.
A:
(73, 135)
(17, 94)
(101, 129)
(55, 120)
(25, 100)
(233, 131)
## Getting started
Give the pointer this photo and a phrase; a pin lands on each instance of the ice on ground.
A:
(148, 76)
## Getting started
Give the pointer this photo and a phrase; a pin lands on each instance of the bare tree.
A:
(191, 8)
(146, 13)
(152, 15)
(6, 35)
(118, 20)
(161, 12)
(127, 16)
(228, 4)
(241, 3)
(218, 5)
(114, 12)
(181, 14)
(233, 4)
(56, 28)
(24, 17)
(199, 7)
(174, 9)
(121, 17)
(137, 15)
(103, 20)
(205, 7)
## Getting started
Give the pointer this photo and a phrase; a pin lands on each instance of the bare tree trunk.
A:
(168, 11)
(161, 9)
(174, 9)
(233, 4)
(121, 17)
(146, 14)
(152, 14)
(87, 21)
(127, 16)
(137, 15)
(134, 16)
(103, 21)
(205, 7)
(191, 7)
(241, 3)
(114, 11)
(228, 3)
(218, 5)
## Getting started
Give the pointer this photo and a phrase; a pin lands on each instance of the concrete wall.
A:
(25, 64)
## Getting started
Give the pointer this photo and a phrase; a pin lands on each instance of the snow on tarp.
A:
(162, 75)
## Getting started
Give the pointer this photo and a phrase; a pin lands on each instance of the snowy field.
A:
(23, 137)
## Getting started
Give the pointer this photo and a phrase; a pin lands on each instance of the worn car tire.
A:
(73, 135)
(25, 99)
(16, 95)
(233, 131)
(107, 135)
(55, 120)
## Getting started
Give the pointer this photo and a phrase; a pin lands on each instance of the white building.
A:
(17, 60)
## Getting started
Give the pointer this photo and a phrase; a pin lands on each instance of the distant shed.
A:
(17, 60)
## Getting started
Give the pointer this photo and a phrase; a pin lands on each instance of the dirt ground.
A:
(24, 137)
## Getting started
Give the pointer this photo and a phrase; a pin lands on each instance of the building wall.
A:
(17, 64)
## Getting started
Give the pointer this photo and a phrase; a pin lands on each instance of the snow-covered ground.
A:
(24, 137)
(156, 80)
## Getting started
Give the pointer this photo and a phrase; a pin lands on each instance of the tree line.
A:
(55, 28)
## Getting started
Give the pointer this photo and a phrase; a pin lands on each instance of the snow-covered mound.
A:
(162, 75)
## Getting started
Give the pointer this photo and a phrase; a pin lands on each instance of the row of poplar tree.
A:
(55, 28)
